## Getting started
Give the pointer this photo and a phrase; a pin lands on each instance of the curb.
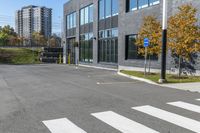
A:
(103, 68)
(136, 78)
(153, 83)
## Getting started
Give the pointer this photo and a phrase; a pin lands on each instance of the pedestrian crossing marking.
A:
(198, 99)
(62, 125)
(187, 106)
(122, 123)
(176, 119)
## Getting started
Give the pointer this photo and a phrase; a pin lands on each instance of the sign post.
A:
(146, 44)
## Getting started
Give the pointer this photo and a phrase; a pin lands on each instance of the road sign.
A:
(146, 42)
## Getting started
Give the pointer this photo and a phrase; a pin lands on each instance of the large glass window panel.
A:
(91, 13)
(153, 2)
(108, 8)
(68, 22)
(86, 15)
(143, 3)
(114, 32)
(101, 9)
(115, 7)
(82, 16)
(116, 50)
(71, 21)
(132, 49)
(133, 5)
(74, 19)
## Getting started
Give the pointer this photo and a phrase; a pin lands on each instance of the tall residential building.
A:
(33, 19)
(106, 30)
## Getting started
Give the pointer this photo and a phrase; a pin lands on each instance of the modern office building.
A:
(33, 19)
(106, 30)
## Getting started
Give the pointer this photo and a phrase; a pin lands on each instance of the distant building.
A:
(33, 19)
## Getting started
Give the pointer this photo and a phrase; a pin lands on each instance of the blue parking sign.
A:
(146, 42)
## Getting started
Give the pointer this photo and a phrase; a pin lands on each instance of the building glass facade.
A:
(133, 5)
(86, 15)
(86, 36)
(108, 8)
(71, 20)
(108, 34)
(131, 49)
(108, 45)
(86, 47)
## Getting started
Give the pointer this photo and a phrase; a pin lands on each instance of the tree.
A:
(55, 41)
(151, 29)
(184, 34)
(7, 33)
(39, 38)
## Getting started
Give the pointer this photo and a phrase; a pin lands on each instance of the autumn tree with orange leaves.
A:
(184, 34)
(151, 29)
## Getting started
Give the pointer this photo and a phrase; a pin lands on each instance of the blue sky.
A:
(8, 8)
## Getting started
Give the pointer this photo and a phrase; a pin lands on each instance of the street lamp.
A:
(164, 43)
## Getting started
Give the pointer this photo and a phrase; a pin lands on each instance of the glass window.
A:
(133, 5)
(131, 48)
(153, 2)
(101, 9)
(86, 15)
(82, 16)
(143, 3)
(115, 7)
(71, 21)
(108, 8)
(115, 32)
(68, 22)
(86, 47)
(74, 19)
(101, 34)
(109, 33)
(91, 13)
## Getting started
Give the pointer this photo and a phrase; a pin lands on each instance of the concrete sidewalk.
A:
(193, 87)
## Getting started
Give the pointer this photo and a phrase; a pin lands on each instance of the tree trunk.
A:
(179, 66)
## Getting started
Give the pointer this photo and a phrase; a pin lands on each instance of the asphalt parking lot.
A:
(91, 100)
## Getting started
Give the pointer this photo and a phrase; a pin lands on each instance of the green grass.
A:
(170, 78)
(19, 56)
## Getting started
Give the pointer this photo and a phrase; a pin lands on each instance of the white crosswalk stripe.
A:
(122, 123)
(176, 119)
(198, 99)
(62, 125)
(187, 106)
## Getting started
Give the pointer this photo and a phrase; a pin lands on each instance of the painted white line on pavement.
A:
(122, 123)
(187, 106)
(198, 99)
(176, 119)
(62, 125)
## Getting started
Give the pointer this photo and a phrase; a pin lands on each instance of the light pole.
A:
(164, 43)
(64, 52)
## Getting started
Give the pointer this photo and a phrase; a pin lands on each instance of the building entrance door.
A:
(71, 51)
(108, 50)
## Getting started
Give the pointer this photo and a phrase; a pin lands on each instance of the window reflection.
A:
(86, 15)
(71, 20)
(108, 8)
(133, 5)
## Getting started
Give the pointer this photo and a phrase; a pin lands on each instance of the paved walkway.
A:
(193, 87)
